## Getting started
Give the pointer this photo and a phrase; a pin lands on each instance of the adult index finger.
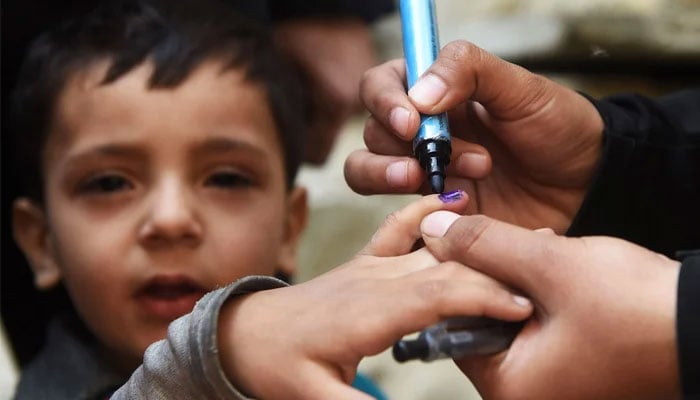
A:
(383, 92)
(368, 173)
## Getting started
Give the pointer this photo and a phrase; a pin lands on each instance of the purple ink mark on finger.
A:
(451, 197)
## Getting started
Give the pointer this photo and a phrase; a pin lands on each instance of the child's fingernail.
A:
(451, 197)
(428, 90)
(397, 174)
(436, 224)
(522, 301)
(399, 118)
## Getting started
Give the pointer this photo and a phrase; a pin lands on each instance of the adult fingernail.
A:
(436, 224)
(397, 174)
(428, 90)
(398, 118)
(522, 301)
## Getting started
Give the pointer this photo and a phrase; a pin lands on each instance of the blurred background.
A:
(597, 46)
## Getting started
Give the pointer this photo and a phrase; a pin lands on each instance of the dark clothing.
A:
(688, 325)
(68, 367)
(647, 191)
(647, 188)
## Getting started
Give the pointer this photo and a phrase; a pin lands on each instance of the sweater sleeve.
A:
(647, 187)
(688, 325)
(186, 365)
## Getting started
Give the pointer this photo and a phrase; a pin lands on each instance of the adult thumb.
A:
(463, 71)
(516, 256)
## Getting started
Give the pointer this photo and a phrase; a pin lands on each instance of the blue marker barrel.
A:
(421, 46)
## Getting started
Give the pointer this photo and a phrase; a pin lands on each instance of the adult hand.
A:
(604, 321)
(305, 341)
(523, 146)
(333, 53)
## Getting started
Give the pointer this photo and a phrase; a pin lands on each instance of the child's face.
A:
(157, 196)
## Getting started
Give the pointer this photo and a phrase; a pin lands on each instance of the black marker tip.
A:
(406, 350)
(437, 183)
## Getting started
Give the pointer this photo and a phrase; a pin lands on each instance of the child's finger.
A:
(337, 390)
(321, 386)
(454, 289)
(426, 297)
(314, 380)
(401, 229)
(404, 265)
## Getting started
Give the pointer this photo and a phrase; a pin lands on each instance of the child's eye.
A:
(105, 184)
(228, 179)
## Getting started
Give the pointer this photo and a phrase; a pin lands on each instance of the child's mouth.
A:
(169, 297)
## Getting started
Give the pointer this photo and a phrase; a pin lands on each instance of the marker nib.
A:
(437, 183)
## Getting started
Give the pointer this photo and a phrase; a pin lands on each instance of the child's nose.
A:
(171, 217)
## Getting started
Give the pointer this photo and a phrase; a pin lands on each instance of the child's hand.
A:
(305, 341)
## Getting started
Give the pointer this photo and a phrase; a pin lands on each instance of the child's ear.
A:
(31, 232)
(297, 215)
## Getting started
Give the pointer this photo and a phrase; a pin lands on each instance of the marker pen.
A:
(455, 337)
(431, 145)
(458, 337)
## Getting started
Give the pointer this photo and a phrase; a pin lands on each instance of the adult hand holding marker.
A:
(455, 337)
(524, 148)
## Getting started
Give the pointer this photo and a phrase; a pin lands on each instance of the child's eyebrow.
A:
(225, 145)
(110, 150)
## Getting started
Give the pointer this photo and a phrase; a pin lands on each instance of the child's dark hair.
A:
(176, 36)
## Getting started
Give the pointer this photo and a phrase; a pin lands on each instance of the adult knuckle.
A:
(538, 92)
(461, 51)
(468, 233)
(392, 219)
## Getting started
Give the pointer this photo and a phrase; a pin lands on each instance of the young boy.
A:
(160, 148)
